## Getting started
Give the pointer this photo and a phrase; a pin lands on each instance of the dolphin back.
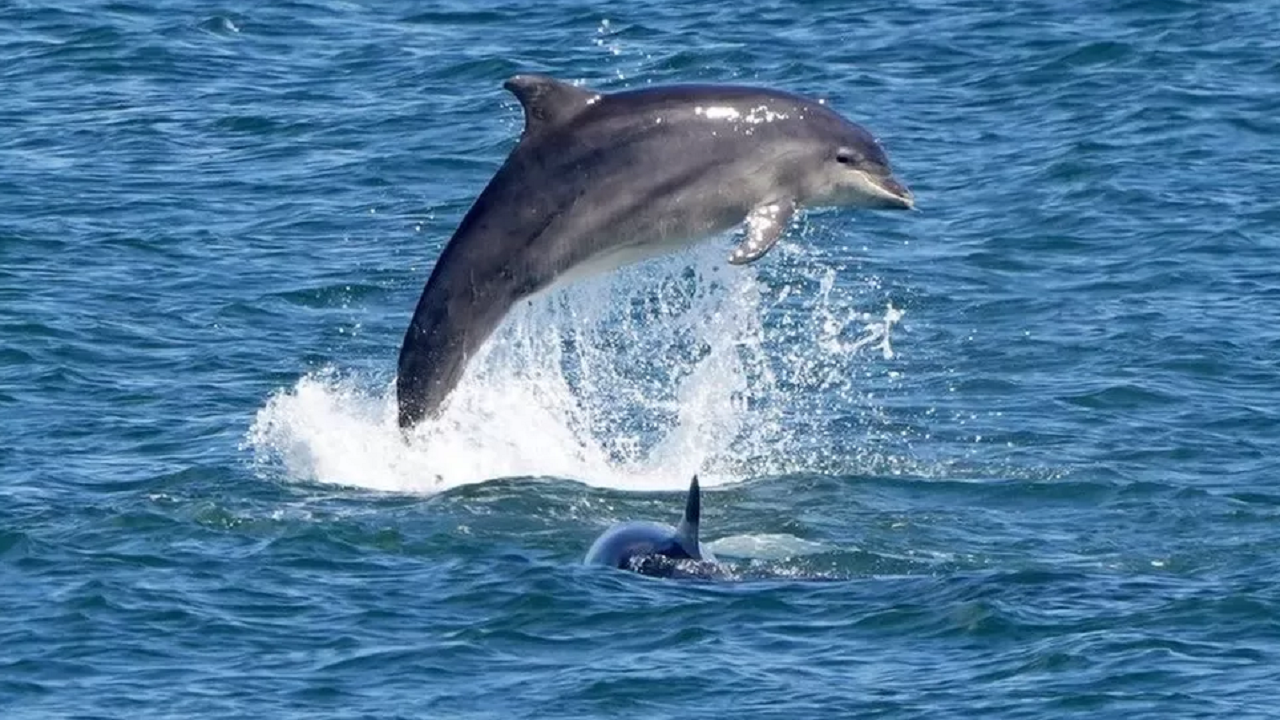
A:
(623, 544)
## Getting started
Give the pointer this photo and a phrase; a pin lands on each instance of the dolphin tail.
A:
(687, 532)
(451, 322)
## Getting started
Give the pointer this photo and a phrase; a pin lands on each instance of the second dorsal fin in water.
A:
(687, 532)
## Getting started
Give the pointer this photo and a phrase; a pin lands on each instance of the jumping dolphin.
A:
(642, 546)
(598, 180)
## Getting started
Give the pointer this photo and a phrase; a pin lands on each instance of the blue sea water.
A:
(1011, 456)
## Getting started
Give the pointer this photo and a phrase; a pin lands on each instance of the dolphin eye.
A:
(846, 157)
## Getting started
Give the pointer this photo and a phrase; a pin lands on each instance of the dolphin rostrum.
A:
(600, 180)
(650, 548)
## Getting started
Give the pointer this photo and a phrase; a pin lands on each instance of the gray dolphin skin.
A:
(599, 180)
(636, 545)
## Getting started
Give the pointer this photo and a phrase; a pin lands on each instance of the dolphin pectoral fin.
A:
(765, 225)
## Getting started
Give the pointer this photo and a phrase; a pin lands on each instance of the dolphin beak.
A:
(897, 194)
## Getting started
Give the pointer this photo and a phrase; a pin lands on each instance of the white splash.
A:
(634, 380)
(767, 546)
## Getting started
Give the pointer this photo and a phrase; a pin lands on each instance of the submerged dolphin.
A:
(600, 180)
(651, 548)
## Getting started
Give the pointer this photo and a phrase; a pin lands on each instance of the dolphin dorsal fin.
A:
(548, 102)
(687, 533)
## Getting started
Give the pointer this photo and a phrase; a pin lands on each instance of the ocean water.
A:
(1013, 455)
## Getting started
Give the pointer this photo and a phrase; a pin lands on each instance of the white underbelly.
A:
(623, 255)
